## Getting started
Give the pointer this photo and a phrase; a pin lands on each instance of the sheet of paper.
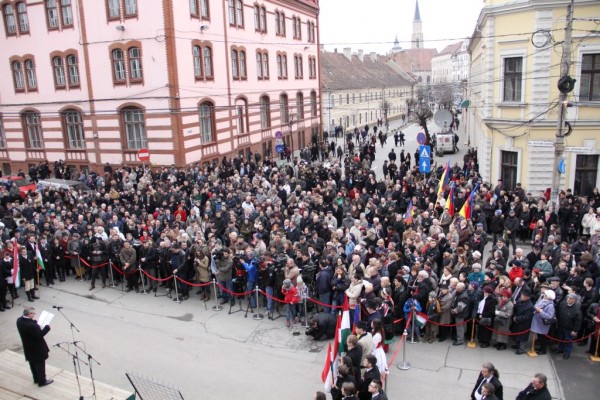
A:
(45, 318)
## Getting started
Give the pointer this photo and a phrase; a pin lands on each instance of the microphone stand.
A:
(73, 329)
(90, 365)
(76, 361)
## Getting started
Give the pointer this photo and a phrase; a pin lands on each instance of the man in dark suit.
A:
(376, 390)
(34, 346)
(355, 354)
(488, 374)
(371, 372)
(536, 390)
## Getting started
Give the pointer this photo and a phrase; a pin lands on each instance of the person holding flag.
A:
(339, 348)
(466, 209)
(26, 270)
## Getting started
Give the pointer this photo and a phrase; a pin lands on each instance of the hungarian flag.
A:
(465, 211)
(40, 260)
(450, 201)
(16, 270)
(327, 375)
(342, 331)
(344, 328)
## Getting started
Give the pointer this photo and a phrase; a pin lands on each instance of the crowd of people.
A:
(325, 231)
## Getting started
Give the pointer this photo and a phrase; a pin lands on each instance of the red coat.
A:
(515, 272)
(290, 296)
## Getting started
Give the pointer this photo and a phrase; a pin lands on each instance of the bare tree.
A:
(423, 115)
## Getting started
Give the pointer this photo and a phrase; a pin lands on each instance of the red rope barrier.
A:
(570, 341)
(466, 321)
(271, 297)
(155, 278)
(234, 293)
(503, 333)
(192, 284)
(400, 343)
(324, 304)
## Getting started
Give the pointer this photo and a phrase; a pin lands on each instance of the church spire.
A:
(417, 13)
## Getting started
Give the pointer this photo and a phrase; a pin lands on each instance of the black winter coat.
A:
(34, 346)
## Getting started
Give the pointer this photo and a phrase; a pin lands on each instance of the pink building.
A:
(94, 81)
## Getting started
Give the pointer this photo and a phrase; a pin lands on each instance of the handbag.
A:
(485, 321)
(550, 321)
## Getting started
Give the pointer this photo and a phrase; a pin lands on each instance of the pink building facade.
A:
(94, 81)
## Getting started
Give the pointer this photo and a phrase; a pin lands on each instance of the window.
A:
(18, 78)
(32, 126)
(2, 135)
(586, 174)
(73, 129)
(234, 65)
(30, 74)
(260, 19)
(206, 115)
(236, 13)
(297, 28)
(52, 14)
(114, 9)
(238, 64)
(22, 17)
(73, 70)
(135, 64)
(265, 112)
(282, 66)
(59, 72)
(207, 58)
(241, 109)
(265, 68)
(299, 106)
(9, 19)
(590, 78)
(118, 66)
(298, 69)
(513, 74)
(284, 109)
(278, 23)
(313, 103)
(259, 73)
(202, 56)
(66, 12)
(196, 54)
(310, 31)
(135, 128)
(199, 9)
(312, 67)
(243, 74)
(509, 162)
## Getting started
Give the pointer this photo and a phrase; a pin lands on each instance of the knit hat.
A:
(550, 295)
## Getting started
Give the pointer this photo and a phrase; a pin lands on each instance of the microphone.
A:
(57, 307)
(57, 344)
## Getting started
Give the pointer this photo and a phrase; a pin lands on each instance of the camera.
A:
(218, 255)
(310, 331)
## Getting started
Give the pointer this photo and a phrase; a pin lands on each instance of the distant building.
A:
(451, 65)
(417, 35)
(94, 81)
(359, 89)
(512, 118)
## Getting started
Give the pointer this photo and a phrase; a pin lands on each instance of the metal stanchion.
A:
(143, 281)
(594, 357)
(412, 331)
(532, 353)
(404, 365)
(217, 306)
(472, 343)
(305, 313)
(176, 299)
(112, 277)
(258, 316)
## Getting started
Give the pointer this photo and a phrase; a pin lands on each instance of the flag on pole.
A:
(16, 270)
(450, 201)
(40, 260)
(356, 317)
(409, 213)
(443, 180)
(465, 211)
(327, 374)
(344, 329)
(332, 360)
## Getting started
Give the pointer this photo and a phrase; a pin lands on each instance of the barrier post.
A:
(176, 299)
(472, 343)
(217, 306)
(258, 316)
(305, 313)
(412, 331)
(143, 280)
(404, 365)
(531, 352)
(594, 357)
(111, 276)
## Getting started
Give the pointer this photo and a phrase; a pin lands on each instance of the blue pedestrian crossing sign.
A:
(425, 165)
(425, 152)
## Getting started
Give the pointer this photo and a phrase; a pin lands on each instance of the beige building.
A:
(512, 119)
(358, 89)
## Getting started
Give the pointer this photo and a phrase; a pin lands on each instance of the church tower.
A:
(417, 36)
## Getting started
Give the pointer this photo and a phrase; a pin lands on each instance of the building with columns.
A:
(94, 81)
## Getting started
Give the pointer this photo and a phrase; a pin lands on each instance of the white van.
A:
(62, 184)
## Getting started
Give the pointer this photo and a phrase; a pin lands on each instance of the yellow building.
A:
(516, 53)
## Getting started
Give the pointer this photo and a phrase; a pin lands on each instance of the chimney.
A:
(373, 56)
(348, 53)
(360, 55)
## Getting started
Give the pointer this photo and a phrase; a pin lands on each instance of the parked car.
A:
(24, 185)
(62, 184)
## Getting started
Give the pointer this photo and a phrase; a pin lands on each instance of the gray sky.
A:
(372, 25)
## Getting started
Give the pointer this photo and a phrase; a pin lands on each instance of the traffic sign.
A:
(425, 165)
(278, 135)
(279, 148)
(143, 154)
(562, 167)
(421, 138)
(425, 152)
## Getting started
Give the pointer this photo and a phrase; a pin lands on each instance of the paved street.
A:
(213, 355)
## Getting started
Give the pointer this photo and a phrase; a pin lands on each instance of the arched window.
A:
(234, 64)
(299, 106)
(30, 73)
(196, 51)
(73, 69)
(259, 72)
(9, 19)
(32, 126)
(134, 125)
(277, 24)
(265, 112)
(118, 65)
(73, 129)
(284, 109)
(241, 113)
(59, 71)
(22, 17)
(135, 63)
(313, 103)
(265, 68)
(207, 120)
(52, 12)
(243, 72)
(18, 75)
(208, 69)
